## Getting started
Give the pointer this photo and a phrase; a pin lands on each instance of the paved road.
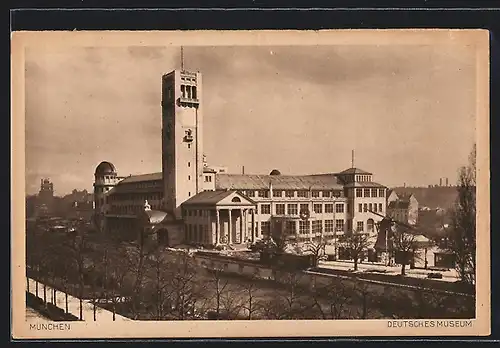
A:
(74, 304)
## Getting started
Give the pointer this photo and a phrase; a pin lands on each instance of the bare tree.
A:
(252, 303)
(332, 299)
(355, 243)
(404, 242)
(462, 242)
(288, 301)
(317, 249)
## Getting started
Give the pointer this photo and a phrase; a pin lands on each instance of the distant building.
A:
(45, 202)
(402, 207)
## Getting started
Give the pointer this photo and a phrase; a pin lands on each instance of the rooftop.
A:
(281, 182)
(355, 171)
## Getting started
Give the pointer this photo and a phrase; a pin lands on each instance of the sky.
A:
(407, 111)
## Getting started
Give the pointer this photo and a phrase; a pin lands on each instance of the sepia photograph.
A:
(250, 184)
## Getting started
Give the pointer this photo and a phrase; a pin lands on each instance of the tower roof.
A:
(355, 171)
(105, 168)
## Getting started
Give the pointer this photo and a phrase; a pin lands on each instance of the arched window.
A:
(236, 200)
(370, 224)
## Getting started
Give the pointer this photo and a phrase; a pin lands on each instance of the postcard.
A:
(249, 184)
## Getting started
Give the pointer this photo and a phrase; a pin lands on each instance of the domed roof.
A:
(275, 172)
(105, 168)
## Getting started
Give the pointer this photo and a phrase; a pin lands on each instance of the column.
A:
(230, 234)
(245, 224)
(241, 226)
(217, 227)
(253, 225)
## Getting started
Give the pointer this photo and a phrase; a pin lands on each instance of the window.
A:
(289, 193)
(291, 227)
(339, 208)
(189, 145)
(348, 207)
(263, 193)
(189, 177)
(369, 225)
(315, 194)
(374, 193)
(359, 192)
(280, 209)
(189, 164)
(317, 226)
(337, 193)
(304, 207)
(265, 209)
(329, 208)
(189, 194)
(318, 208)
(367, 192)
(326, 194)
(328, 225)
(277, 193)
(208, 178)
(236, 199)
(375, 207)
(339, 225)
(380, 208)
(265, 228)
(250, 193)
(360, 207)
(292, 209)
(359, 226)
(302, 193)
(304, 226)
(381, 193)
(365, 207)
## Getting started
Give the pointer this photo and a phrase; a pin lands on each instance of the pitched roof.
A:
(142, 177)
(355, 171)
(208, 197)
(283, 182)
(399, 204)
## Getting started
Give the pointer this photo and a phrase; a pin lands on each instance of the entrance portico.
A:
(219, 217)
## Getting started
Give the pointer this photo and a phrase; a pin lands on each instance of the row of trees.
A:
(141, 281)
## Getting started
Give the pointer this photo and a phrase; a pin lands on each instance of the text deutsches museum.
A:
(428, 323)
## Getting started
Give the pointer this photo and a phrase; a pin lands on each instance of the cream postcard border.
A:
(267, 328)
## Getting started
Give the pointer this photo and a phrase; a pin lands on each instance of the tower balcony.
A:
(190, 102)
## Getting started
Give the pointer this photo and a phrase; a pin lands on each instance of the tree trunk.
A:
(95, 310)
(355, 263)
(45, 294)
(36, 289)
(403, 269)
(81, 309)
(114, 311)
(66, 295)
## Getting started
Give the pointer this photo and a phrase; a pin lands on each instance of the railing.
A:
(85, 310)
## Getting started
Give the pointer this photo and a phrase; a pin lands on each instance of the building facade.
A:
(403, 207)
(202, 204)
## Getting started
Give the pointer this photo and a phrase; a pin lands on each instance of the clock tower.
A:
(182, 138)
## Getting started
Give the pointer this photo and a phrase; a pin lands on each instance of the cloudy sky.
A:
(408, 111)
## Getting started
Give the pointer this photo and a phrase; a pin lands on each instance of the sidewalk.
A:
(74, 304)
(448, 276)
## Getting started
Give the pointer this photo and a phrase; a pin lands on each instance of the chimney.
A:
(243, 170)
(404, 184)
(440, 181)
